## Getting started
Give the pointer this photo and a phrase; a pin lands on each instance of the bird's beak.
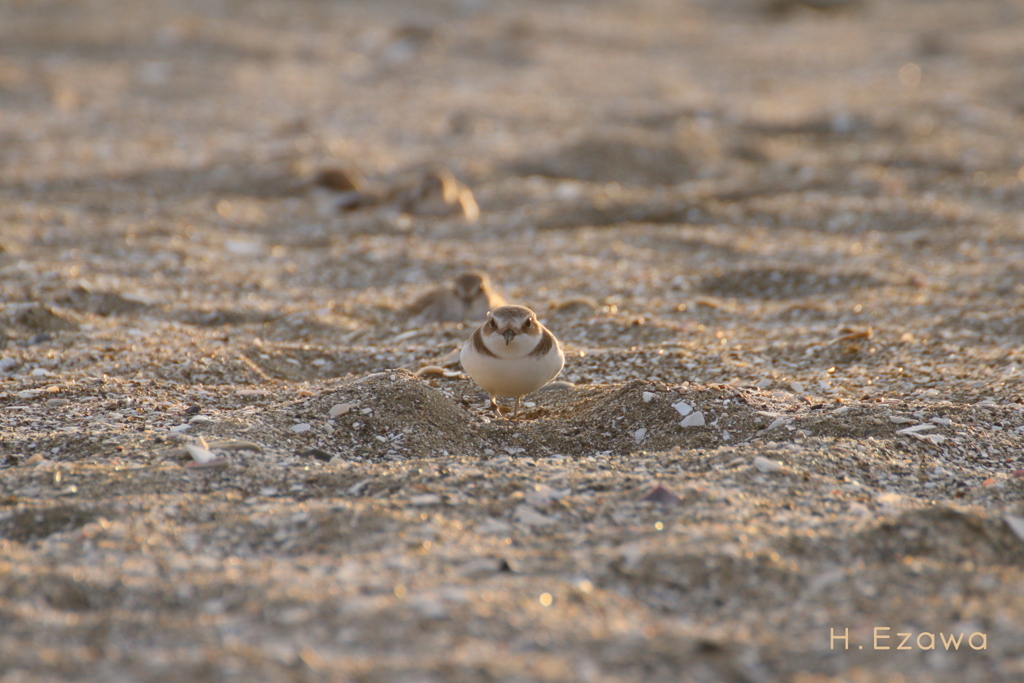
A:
(508, 335)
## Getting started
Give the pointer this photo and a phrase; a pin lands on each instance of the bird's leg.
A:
(494, 405)
(515, 415)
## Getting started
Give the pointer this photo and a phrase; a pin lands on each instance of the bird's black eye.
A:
(527, 324)
(494, 325)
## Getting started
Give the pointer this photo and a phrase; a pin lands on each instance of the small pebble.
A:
(693, 420)
(527, 514)
(34, 460)
(1016, 525)
(200, 454)
(339, 409)
(683, 408)
(317, 453)
(301, 427)
(660, 494)
(767, 466)
(425, 499)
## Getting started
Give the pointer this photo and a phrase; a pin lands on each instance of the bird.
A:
(439, 194)
(511, 354)
(469, 297)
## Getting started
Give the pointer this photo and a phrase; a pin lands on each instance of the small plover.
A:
(469, 297)
(438, 193)
(512, 354)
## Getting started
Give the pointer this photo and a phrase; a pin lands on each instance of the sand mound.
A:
(941, 534)
(385, 415)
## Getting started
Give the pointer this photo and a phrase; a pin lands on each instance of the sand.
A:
(782, 246)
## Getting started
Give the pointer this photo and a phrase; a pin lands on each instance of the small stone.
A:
(889, 503)
(647, 396)
(493, 526)
(660, 494)
(7, 364)
(526, 514)
(683, 408)
(767, 466)
(178, 429)
(41, 372)
(301, 427)
(859, 509)
(34, 460)
(57, 402)
(199, 453)
(693, 420)
(199, 419)
(268, 491)
(543, 496)
(339, 409)
(193, 410)
(916, 428)
(639, 435)
(425, 499)
(482, 566)
(317, 453)
(235, 445)
(1016, 525)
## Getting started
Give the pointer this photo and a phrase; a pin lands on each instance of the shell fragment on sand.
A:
(1016, 525)
(527, 514)
(683, 408)
(199, 454)
(436, 370)
(916, 428)
(693, 420)
(339, 409)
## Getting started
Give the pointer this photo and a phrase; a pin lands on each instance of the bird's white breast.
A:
(513, 372)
